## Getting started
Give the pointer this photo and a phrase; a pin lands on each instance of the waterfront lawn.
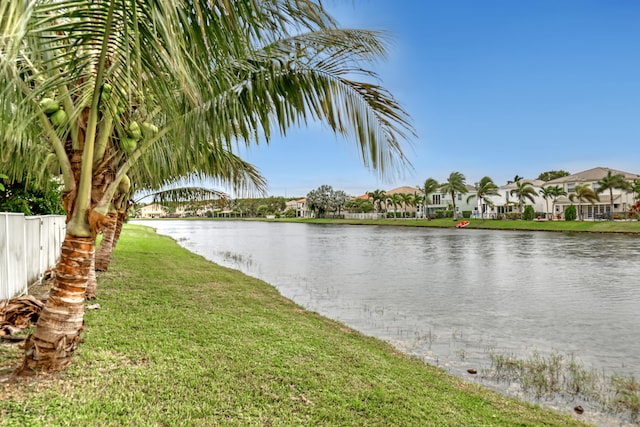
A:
(181, 341)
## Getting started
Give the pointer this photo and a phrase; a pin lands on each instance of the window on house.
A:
(436, 199)
(571, 187)
(459, 196)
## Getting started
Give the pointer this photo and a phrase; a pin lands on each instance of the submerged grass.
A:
(563, 375)
(181, 341)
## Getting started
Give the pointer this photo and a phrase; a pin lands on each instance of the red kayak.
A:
(462, 224)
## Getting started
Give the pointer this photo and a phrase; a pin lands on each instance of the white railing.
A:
(29, 245)
(360, 215)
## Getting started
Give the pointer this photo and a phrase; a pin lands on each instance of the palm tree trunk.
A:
(122, 216)
(57, 333)
(610, 204)
(103, 254)
(92, 280)
(453, 202)
(580, 211)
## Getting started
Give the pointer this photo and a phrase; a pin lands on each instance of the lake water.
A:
(449, 296)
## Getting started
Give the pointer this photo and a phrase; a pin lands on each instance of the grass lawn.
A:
(180, 341)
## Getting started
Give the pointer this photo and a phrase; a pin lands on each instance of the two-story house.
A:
(621, 202)
(153, 210)
(507, 199)
(300, 207)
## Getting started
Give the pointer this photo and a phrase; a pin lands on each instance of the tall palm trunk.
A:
(103, 254)
(57, 332)
(580, 211)
(610, 204)
(453, 202)
(122, 216)
(92, 280)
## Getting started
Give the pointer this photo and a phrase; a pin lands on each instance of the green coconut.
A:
(149, 129)
(124, 185)
(49, 106)
(106, 91)
(58, 118)
(133, 130)
(128, 145)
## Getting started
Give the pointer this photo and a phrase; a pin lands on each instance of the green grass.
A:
(180, 341)
(490, 224)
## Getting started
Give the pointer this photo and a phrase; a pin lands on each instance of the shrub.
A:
(529, 213)
(290, 213)
(514, 215)
(570, 214)
(466, 214)
(634, 211)
(444, 214)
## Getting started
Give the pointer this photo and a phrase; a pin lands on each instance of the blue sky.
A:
(493, 87)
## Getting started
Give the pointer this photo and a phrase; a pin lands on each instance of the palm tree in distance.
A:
(485, 187)
(394, 200)
(455, 184)
(583, 193)
(524, 191)
(610, 182)
(429, 187)
(546, 193)
(555, 192)
(377, 197)
(407, 201)
(119, 79)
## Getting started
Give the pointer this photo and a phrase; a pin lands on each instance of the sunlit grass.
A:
(180, 341)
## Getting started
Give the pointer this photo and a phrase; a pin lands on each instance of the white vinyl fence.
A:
(29, 245)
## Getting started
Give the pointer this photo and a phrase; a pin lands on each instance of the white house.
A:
(300, 206)
(153, 210)
(622, 200)
(508, 202)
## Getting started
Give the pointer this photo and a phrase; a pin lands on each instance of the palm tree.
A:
(555, 192)
(610, 182)
(407, 200)
(485, 187)
(524, 191)
(429, 187)
(125, 79)
(583, 193)
(455, 184)
(394, 200)
(546, 193)
(377, 197)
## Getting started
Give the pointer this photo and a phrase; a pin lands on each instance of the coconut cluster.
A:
(51, 108)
